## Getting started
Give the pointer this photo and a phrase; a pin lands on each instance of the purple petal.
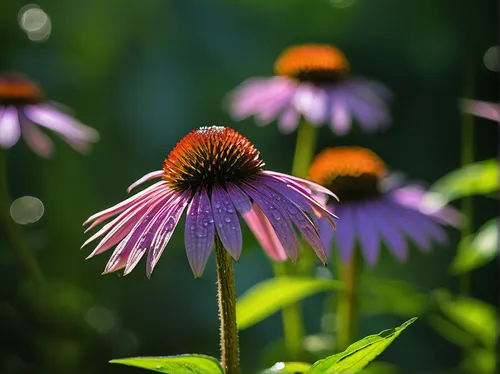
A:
(199, 232)
(278, 219)
(165, 231)
(240, 199)
(340, 118)
(277, 98)
(388, 225)
(36, 139)
(311, 101)
(346, 233)
(147, 177)
(10, 130)
(367, 233)
(481, 109)
(326, 234)
(226, 221)
(289, 119)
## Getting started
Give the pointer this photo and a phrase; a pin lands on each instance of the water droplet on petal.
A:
(217, 206)
(227, 219)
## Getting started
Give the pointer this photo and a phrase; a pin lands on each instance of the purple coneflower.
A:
(23, 108)
(214, 172)
(482, 109)
(370, 212)
(312, 80)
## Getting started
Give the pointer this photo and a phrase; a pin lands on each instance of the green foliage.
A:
(183, 364)
(473, 316)
(391, 296)
(270, 296)
(288, 368)
(478, 249)
(480, 178)
(358, 355)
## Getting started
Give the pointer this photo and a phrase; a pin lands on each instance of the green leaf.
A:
(269, 296)
(480, 178)
(288, 368)
(471, 315)
(182, 364)
(478, 249)
(358, 355)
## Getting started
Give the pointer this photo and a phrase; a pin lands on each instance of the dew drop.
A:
(230, 210)
(217, 206)
(227, 219)
(210, 221)
(193, 227)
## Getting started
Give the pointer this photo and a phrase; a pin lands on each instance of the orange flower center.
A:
(318, 63)
(16, 89)
(352, 173)
(210, 155)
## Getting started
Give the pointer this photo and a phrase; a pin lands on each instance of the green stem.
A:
(227, 310)
(13, 231)
(293, 325)
(304, 150)
(347, 312)
(467, 157)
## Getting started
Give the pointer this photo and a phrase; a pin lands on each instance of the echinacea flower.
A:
(23, 109)
(482, 109)
(313, 81)
(370, 211)
(214, 172)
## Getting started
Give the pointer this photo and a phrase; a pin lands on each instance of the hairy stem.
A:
(227, 310)
(347, 312)
(13, 231)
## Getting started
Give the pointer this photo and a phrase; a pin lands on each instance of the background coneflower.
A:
(23, 108)
(313, 81)
(371, 212)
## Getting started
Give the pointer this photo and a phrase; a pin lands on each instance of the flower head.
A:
(313, 81)
(22, 109)
(215, 173)
(372, 212)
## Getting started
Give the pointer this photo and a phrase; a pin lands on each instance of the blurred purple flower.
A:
(371, 212)
(214, 172)
(23, 109)
(482, 109)
(312, 80)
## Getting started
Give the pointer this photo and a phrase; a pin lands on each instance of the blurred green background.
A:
(144, 73)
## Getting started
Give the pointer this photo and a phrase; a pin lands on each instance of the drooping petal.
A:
(346, 233)
(165, 231)
(10, 130)
(388, 226)
(36, 139)
(340, 118)
(289, 119)
(302, 221)
(367, 232)
(482, 109)
(277, 218)
(240, 199)
(263, 230)
(199, 232)
(147, 177)
(226, 221)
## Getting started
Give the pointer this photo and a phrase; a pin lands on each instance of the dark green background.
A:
(144, 73)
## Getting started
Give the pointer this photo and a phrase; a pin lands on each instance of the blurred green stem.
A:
(347, 307)
(12, 230)
(293, 325)
(227, 309)
(467, 157)
(304, 149)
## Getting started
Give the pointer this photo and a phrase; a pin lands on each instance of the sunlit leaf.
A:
(358, 355)
(391, 296)
(480, 361)
(288, 368)
(268, 297)
(381, 368)
(480, 178)
(477, 250)
(450, 331)
(471, 315)
(183, 364)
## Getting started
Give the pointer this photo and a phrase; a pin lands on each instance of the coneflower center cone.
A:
(211, 155)
(352, 173)
(17, 90)
(316, 63)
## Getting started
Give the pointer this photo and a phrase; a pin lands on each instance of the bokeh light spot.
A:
(341, 3)
(35, 22)
(100, 319)
(26, 209)
(491, 59)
